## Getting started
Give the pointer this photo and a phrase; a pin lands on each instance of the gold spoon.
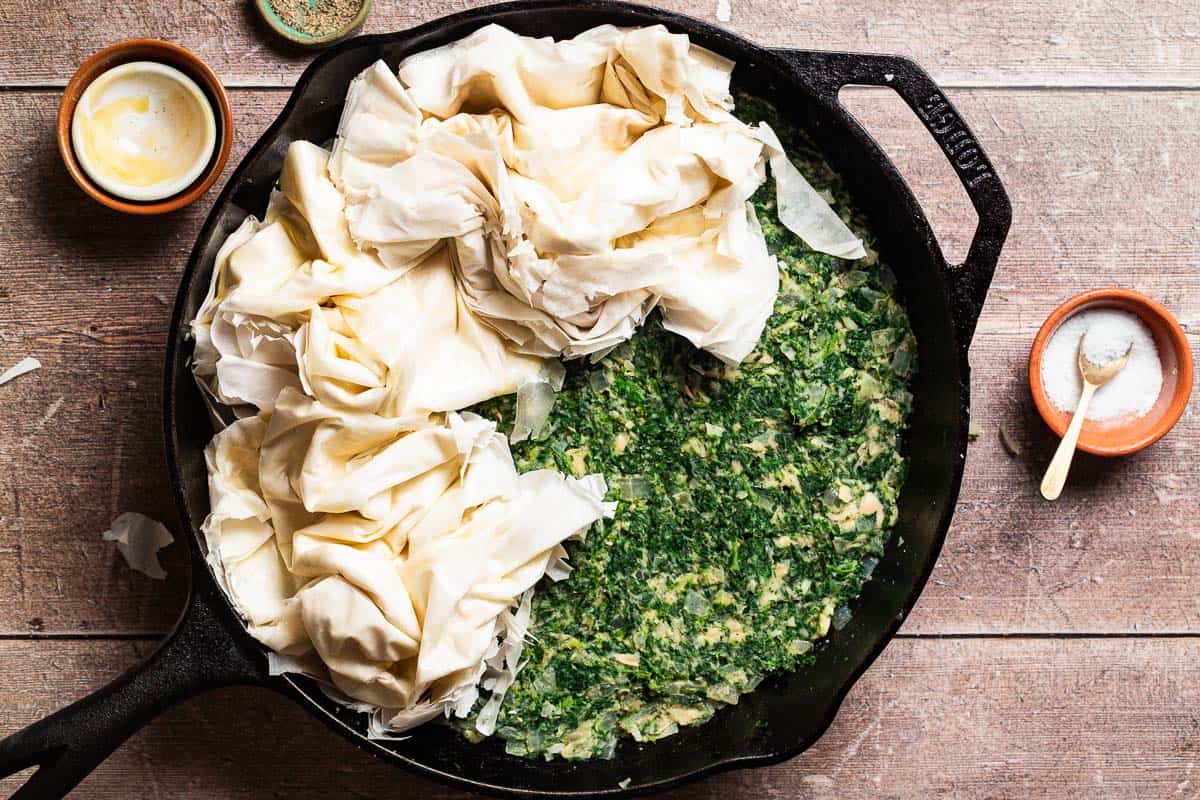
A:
(1094, 376)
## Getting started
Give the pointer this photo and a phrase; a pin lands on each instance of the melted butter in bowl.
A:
(143, 131)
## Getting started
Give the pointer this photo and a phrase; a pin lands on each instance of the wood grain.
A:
(1023, 42)
(90, 295)
(996, 689)
(1100, 183)
(1099, 199)
(1029, 718)
(1119, 552)
(1013, 563)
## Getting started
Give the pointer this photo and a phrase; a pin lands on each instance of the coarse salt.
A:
(1104, 344)
(1104, 334)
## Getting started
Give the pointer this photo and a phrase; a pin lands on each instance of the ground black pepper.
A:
(317, 18)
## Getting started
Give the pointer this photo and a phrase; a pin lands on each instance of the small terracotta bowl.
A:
(1124, 435)
(147, 50)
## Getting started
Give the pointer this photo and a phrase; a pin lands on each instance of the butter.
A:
(143, 131)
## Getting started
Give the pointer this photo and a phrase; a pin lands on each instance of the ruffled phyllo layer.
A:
(497, 204)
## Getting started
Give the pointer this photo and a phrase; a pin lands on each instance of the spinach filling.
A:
(753, 501)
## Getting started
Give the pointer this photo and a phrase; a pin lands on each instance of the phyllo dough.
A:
(494, 205)
(295, 303)
(387, 548)
(557, 172)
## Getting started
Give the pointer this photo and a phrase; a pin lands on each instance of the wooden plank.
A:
(1118, 552)
(1101, 190)
(89, 292)
(1075, 718)
(92, 288)
(1025, 42)
(1096, 202)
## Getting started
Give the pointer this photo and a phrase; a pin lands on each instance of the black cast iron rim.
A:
(965, 298)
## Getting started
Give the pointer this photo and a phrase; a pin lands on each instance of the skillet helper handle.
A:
(199, 654)
(968, 282)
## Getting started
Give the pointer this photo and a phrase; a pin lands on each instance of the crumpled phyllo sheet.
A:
(556, 171)
(389, 548)
(498, 203)
(411, 347)
(295, 303)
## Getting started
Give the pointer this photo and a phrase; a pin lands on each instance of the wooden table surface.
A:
(1056, 652)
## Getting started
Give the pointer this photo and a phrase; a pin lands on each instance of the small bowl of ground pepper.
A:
(314, 23)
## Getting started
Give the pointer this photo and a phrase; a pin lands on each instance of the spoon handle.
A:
(1060, 465)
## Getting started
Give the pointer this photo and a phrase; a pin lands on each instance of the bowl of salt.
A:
(1143, 401)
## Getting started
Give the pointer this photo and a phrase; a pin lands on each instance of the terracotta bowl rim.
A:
(146, 49)
(1145, 306)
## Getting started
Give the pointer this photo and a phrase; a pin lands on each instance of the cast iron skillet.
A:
(788, 713)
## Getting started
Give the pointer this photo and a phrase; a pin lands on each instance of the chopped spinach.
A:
(753, 501)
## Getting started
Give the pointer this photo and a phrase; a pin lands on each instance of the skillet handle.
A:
(828, 72)
(200, 653)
